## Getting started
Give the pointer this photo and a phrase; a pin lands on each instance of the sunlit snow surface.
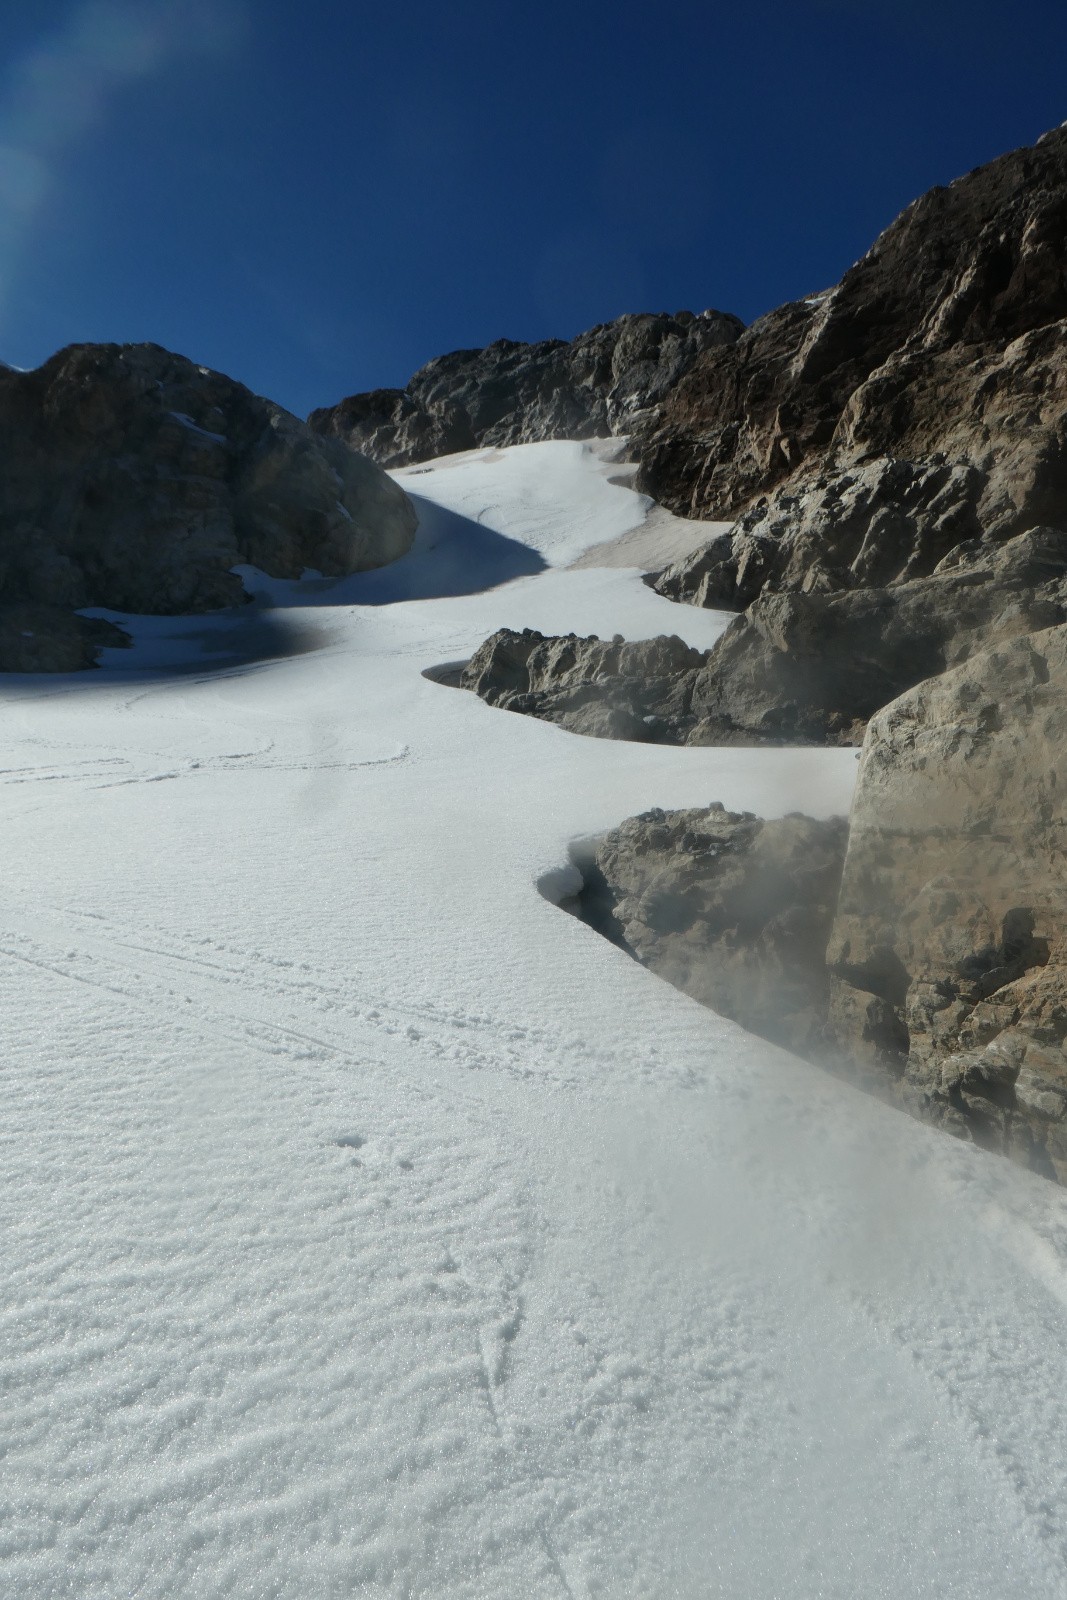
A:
(373, 1228)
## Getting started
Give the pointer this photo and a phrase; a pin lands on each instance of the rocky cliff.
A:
(866, 431)
(136, 480)
(603, 382)
(949, 948)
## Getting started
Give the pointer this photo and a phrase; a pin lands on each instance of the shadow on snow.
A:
(451, 555)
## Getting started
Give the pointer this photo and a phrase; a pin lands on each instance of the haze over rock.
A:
(734, 910)
(949, 948)
(794, 668)
(135, 480)
(600, 383)
(929, 961)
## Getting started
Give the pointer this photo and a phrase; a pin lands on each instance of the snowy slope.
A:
(372, 1227)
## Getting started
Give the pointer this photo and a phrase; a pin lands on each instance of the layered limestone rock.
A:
(733, 910)
(136, 480)
(949, 950)
(866, 431)
(933, 967)
(603, 382)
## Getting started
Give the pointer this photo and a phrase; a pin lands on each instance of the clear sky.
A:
(318, 196)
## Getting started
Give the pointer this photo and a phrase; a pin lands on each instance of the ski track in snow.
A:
(371, 1227)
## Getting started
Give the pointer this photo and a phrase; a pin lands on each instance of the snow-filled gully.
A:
(371, 1228)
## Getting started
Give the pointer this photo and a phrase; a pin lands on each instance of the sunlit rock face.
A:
(949, 950)
(136, 480)
(864, 432)
(603, 382)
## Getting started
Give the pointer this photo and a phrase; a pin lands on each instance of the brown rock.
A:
(949, 950)
(867, 431)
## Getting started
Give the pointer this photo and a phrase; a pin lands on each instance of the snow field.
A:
(371, 1227)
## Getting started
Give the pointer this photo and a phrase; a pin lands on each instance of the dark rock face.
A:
(610, 690)
(868, 430)
(600, 383)
(733, 910)
(37, 638)
(949, 949)
(134, 479)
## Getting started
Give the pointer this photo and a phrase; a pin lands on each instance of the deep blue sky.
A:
(317, 196)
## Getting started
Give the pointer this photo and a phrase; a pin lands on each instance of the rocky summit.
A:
(862, 433)
(136, 480)
(603, 382)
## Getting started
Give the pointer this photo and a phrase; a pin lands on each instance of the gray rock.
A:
(733, 910)
(807, 668)
(611, 690)
(393, 428)
(136, 480)
(603, 382)
(813, 667)
(883, 522)
(949, 950)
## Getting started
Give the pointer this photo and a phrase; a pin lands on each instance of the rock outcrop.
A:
(608, 689)
(35, 638)
(134, 479)
(865, 432)
(813, 667)
(949, 949)
(603, 382)
(932, 966)
(808, 668)
(731, 909)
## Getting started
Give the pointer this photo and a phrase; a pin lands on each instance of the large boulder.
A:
(731, 909)
(603, 382)
(136, 480)
(949, 950)
(609, 689)
(868, 429)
